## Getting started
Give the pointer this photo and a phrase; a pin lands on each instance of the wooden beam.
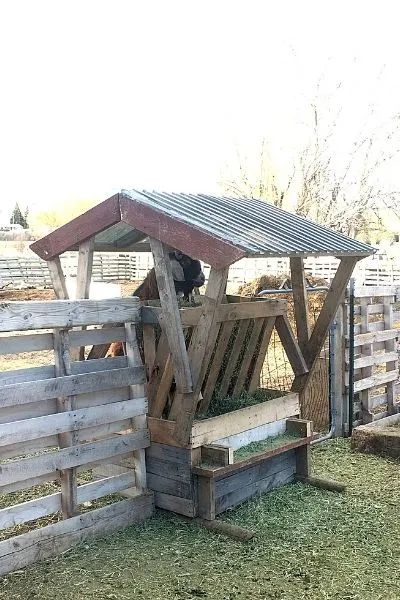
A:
(57, 278)
(290, 345)
(170, 319)
(220, 351)
(200, 349)
(250, 350)
(325, 319)
(83, 279)
(300, 299)
(255, 378)
(328, 312)
(136, 391)
(69, 503)
(85, 266)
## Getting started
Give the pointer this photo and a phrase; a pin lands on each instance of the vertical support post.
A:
(83, 279)
(171, 320)
(366, 350)
(201, 346)
(390, 346)
(300, 299)
(338, 397)
(67, 476)
(136, 391)
(57, 278)
(325, 319)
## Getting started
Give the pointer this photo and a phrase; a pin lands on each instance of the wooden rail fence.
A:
(32, 271)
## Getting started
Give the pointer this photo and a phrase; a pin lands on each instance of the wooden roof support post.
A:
(85, 266)
(325, 319)
(300, 299)
(170, 320)
(201, 346)
(57, 278)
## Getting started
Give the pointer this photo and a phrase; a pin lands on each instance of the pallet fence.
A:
(64, 424)
(376, 353)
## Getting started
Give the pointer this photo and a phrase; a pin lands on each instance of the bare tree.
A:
(340, 184)
(260, 180)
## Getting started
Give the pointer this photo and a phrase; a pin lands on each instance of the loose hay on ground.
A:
(311, 544)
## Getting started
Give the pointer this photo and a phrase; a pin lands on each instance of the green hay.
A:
(310, 544)
(263, 446)
(221, 406)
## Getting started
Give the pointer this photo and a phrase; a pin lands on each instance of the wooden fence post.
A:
(339, 398)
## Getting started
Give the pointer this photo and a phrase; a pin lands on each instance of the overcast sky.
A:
(96, 96)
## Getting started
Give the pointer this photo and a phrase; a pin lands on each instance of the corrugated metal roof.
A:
(254, 226)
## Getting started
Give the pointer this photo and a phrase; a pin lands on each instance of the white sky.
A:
(96, 96)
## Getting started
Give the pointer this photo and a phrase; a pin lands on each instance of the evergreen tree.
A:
(18, 218)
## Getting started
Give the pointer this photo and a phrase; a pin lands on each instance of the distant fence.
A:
(32, 271)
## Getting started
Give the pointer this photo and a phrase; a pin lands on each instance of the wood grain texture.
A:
(37, 314)
(170, 318)
(23, 550)
(68, 236)
(300, 299)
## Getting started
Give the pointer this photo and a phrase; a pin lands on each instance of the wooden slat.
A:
(375, 291)
(163, 388)
(18, 552)
(71, 457)
(216, 428)
(247, 358)
(300, 299)
(137, 391)
(66, 439)
(390, 347)
(328, 311)
(182, 506)
(91, 337)
(258, 487)
(290, 345)
(374, 309)
(170, 318)
(376, 380)
(376, 336)
(46, 505)
(73, 420)
(375, 359)
(201, 346)
(149, 346)
(233, 358)
(24, 393)
(252, 461)
(266, 336)
(14, 344)
(22, 316)
(220, 350)
(85, 266)
(57, 278)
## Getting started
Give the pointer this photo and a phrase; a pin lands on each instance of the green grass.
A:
(310, 544)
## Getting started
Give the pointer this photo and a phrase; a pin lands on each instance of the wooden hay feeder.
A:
(191, 464)
(380, 437)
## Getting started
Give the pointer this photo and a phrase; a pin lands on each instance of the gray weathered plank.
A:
(73, 420)
(18, 552)
(24, 393)
(72, 457)
(21, 316)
